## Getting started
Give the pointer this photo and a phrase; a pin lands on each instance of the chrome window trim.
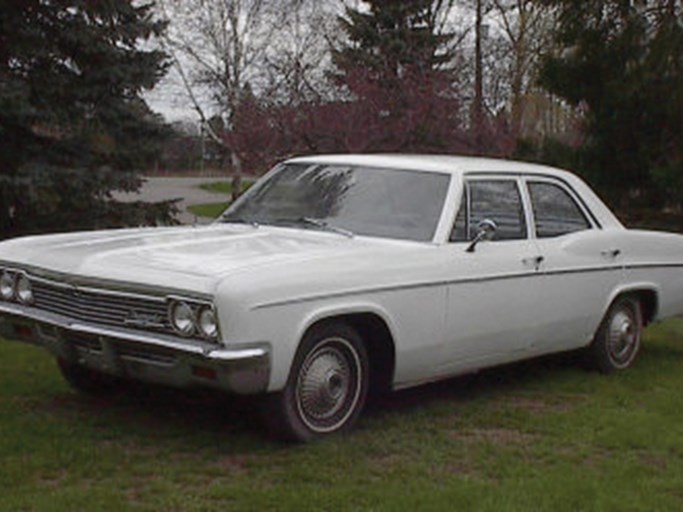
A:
(483, 177)
(559, 179)
(569, 190)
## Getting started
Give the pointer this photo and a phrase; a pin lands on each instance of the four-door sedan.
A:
(337, 275)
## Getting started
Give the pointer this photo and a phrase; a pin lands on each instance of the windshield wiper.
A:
(239, 220)
(325, 226)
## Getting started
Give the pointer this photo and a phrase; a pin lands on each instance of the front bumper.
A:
(141, 356)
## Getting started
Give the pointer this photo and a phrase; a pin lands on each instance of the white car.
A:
(337, 275)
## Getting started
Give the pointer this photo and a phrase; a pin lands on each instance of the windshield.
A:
(378, 202)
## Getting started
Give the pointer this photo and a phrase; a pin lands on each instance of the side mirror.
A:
(486, 230)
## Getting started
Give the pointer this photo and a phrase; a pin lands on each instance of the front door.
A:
(493, 288)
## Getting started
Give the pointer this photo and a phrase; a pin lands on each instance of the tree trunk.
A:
(478, 105)
(236, 164)
(517, 85)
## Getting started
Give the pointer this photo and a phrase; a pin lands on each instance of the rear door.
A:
(581, 265)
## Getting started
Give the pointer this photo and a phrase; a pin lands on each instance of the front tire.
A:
(327, 386)
(617, 341)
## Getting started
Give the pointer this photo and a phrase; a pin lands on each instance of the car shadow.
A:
(493, 381)
(205, 417)
(137, 410)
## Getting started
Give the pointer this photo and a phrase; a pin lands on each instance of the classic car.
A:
(336, 276)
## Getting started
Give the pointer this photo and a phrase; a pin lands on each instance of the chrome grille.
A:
(91, 306)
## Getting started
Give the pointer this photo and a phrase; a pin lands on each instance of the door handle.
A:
(534, 261)
(611, 253)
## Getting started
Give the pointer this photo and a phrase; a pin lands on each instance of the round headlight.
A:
(208, 325)
(6, 286)
(24, 290)
(182, 318)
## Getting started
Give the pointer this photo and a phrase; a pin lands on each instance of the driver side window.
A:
(498, 200)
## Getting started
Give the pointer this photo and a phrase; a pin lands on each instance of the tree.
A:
(72, 124)
(230, 54)
(622, 61)
(525, 26)
(393, 36)
(478, 103)
(394, 66)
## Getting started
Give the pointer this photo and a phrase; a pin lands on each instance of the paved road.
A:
(187, 189)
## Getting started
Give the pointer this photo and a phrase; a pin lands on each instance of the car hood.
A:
(183, 258)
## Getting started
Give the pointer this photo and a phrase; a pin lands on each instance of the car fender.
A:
(627, 288)
(312, 315)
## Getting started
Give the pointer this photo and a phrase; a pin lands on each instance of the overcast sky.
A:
(170, 98)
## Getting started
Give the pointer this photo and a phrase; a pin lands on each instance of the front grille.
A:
(117, 310)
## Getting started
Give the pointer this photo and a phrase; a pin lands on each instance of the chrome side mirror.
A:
(486, 230)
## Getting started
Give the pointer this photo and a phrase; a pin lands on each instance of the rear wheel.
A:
(88, 381)
(617, 341)
(327, 386)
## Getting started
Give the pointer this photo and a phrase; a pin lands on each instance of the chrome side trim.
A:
(433, 284)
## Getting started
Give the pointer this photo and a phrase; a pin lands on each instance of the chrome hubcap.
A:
(624, 336)
(329, 385)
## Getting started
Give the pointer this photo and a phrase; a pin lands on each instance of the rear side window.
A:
(555, 211)
(497, 200)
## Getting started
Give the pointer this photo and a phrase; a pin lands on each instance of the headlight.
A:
(208, 326)
(7, 286)
(23, 290)
(182, 318)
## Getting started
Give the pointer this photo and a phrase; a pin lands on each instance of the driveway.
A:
(156, 189)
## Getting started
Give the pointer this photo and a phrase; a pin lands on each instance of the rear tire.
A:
(88, 381)
(327, 386)
(617, 341)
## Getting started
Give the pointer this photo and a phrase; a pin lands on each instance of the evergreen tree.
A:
(392, 36)
(73, 127)
(623, 61)
(394, 63)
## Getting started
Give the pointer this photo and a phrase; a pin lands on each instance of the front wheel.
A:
(617, 341)
(327, 386)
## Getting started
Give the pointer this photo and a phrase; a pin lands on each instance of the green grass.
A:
(223, 187)
(213, 210)
(541, 435)
(209, 210)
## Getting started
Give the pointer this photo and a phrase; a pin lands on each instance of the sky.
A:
(170, 98)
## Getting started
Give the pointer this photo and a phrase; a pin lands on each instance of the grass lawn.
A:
(209, 210)
(223, 187)
(542, 435)
(213, 210)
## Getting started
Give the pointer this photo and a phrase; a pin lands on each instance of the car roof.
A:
(434, 163)
(459, 165)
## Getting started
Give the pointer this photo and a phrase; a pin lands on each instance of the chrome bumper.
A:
(149, 357)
